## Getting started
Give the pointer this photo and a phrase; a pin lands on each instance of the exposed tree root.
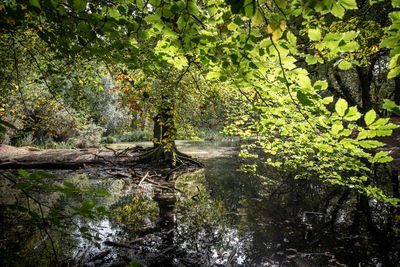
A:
(171, 156)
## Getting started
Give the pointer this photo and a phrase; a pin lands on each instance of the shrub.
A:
(89, 136)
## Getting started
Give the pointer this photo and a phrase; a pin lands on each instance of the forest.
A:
(200, 133)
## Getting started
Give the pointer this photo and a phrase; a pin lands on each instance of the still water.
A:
(219, 216)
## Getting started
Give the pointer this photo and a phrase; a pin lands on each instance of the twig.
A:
(144, 177)
(287, 85)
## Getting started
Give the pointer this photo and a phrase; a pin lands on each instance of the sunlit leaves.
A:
(394, 72)
(382, 157)
(304, 81)
(320, 85)
(213, 75)
(314, 34)
(370, 117)
(348, 4)
(352, 114)
(337, 10)
(341, 107)
(327, 100)
(392, 41)
(258, 18)
(369, 143)
(350, 35)
(336, 128)
(311, 60)
(344, 65)
(391, 106)
(291, 38)
(276, 29)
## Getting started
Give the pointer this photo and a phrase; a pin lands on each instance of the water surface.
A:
(220, 216)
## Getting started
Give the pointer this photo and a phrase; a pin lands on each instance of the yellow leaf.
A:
(276, 29)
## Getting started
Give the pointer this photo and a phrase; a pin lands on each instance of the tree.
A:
(253, 47)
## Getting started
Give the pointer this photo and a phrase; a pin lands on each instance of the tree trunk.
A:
(345, 90)
(164, 133)
(365, 76)
(397, 90)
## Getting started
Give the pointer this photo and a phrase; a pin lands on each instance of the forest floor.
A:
(111, 160)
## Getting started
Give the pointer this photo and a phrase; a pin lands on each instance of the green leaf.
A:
(327, 100)
(7, 124)
(348, 4)
(344, 65)
(23, 173)
(337, 10)
(276, 28)
(304, 81)
(381, 132)
(153, 19)
(350, 35)
(336, 128)
(102, 193)
(155, 3)
(311, 60)
(369, 143)
(370, 117)
(258, 18)
(349, 47)
(341, 107)
(303, 99)
(380, 122)
(34, 3)
(320, 85)
(382, 157)
(213, 75)
(87, 205)
(352, 114)
(393, 61)
(231, 26)
(68, 184)
(391, 106)
(43, 174)
(291, 38)
(249, 8)
(253, 66)
(394, 72)
(371, 134)
(79, 5)
(22, 185)
(314, 34)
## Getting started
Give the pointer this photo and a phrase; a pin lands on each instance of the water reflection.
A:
(221, 217)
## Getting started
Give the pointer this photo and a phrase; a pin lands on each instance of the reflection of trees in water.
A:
(320, 224)
(297, 222)
(203, 227)
(223, 217)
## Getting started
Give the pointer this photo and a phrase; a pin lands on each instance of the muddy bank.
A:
(59, 159)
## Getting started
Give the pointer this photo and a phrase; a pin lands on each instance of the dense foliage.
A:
(305, 80)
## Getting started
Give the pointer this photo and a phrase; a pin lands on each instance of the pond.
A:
(217, 216)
